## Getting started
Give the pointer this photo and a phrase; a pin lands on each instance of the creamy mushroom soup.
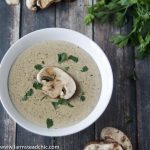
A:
(63, 110)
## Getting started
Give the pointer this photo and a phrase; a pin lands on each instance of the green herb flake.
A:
(61, 102)
(38, 67)
(28, 93)
(37, 85)
(82, 98)
(73, 58)
(67, 68)
(49, 123)
(84, 69)
(62, 57)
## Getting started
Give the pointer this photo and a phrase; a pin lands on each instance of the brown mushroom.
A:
(45, 3)
(56, 83)
(110, 134)
(31, 4)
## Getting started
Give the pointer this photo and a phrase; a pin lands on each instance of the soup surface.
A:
(34, 105)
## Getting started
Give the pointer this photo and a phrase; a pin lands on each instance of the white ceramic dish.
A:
(57, 34)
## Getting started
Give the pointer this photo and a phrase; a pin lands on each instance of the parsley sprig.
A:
(120, 11)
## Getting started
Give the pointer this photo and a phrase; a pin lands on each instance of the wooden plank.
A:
(31, 21)
(143, 103)
(123, 101)
(70, 15)
(9, 33)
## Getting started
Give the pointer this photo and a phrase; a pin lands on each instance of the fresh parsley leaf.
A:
(75, 59)
(67, 68)
(84, 69)
(61, 102)
(37, 85)
(88, 18)
(82, 98)
(38, 67)
(120, 40)
(119, 19)
(62, 57)
(28, 93)
(55, 104)
(49, 123)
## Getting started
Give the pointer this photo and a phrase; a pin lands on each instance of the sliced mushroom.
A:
(102, 146)
(12, 2)
(31, 5)
(56, 82)
(114, 135)
(45, 3)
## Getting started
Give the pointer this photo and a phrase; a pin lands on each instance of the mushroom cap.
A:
(102, 146)
(45, 3)
(110, 134)
(59, 82)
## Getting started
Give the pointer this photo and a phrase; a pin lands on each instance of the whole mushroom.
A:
(45, 3)
(111, 139)
(33, 4)
(56, 83)
(110, 134)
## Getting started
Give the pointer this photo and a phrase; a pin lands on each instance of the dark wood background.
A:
(130, 99)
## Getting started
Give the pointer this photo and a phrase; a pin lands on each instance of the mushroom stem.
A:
(31, 5)
(12, 2)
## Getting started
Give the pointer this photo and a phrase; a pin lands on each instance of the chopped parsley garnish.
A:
(82, 97)
(61, 102)
(28, 93)
(38, 67)
(67, 68)
(37, 85)
(84, 69)
(73, 58)
(62, 57)
(49, 123)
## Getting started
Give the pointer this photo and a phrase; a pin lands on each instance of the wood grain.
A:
(9, 33)
(123, 102)
(31, 21)
(70, 15)
(143, 103)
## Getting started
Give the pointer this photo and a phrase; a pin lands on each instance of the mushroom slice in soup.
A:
(56, 82)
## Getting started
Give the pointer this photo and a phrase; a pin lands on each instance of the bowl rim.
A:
(91, 118)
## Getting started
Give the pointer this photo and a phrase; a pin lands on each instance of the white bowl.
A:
(57, 34)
